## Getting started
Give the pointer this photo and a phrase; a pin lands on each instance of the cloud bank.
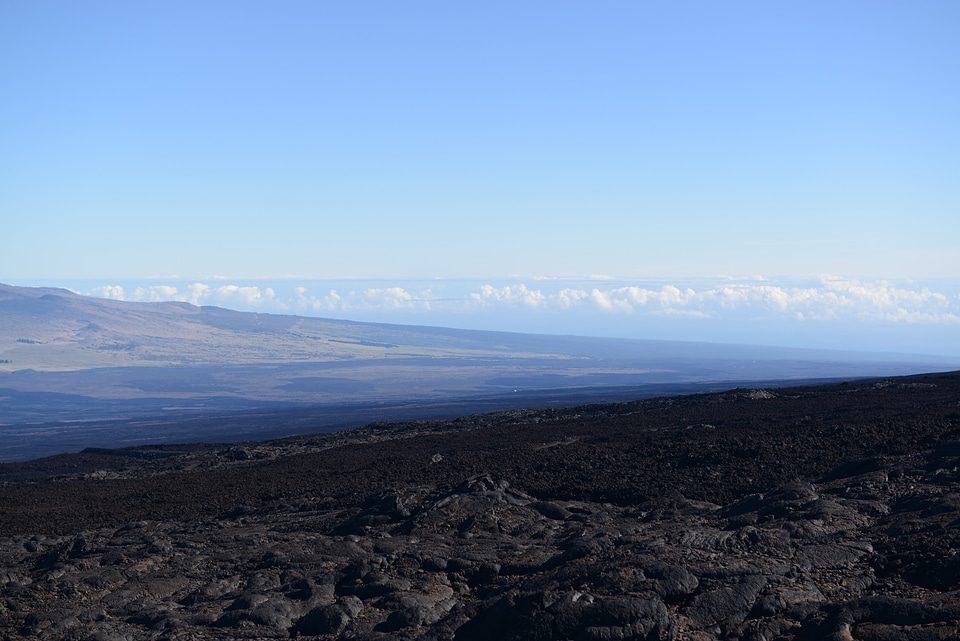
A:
(230, 296)
(827, 298)
(826, 311)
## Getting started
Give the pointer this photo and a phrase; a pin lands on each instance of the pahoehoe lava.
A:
(824, 512)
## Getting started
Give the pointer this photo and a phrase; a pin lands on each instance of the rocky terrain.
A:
(829, 512)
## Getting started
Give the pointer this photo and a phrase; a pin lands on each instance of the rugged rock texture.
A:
(816, 513)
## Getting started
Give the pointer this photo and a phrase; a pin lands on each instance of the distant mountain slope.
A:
(56, 330)
(50, 329)
(74, 368)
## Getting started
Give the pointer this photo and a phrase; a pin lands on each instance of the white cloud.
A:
(669, 299)
(832, 298)
(836, 298)
(510, 295)
(374, 299)
(824, 298)
(164, 292)
(247, 296)
(568, 297)
(388, 298)
(196, 293)
(308, 303)
(609, 301)
(156, 294)
(114, 292)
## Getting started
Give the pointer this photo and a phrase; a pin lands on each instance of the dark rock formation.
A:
(823, 513)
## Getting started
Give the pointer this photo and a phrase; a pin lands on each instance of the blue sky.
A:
(651, 144)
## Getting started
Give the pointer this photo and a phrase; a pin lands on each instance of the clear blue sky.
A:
(479, 139)
(779, 172)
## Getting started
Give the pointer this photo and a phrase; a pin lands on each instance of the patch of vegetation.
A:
(119, 347)
(364, 343)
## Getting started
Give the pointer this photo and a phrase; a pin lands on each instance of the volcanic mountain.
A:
(77, 372)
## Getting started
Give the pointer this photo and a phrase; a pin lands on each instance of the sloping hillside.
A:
(77, 371)
(823, 512)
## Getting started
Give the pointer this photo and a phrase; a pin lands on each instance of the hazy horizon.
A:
(825, 312)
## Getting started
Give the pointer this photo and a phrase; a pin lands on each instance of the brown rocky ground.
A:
(827, 512)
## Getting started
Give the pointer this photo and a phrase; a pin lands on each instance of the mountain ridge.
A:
(78, 372)
(48, 301)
